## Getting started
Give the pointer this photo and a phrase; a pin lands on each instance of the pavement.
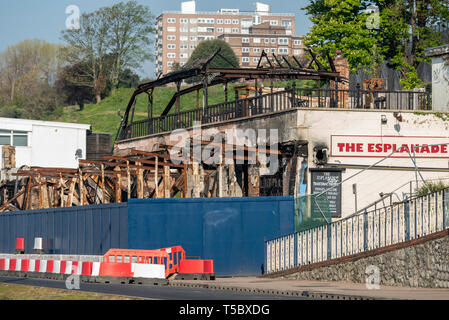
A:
(314, 289)
(152, 292)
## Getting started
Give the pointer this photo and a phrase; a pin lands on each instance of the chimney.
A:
(342, 67)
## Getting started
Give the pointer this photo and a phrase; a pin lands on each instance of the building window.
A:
(171, 46)
(235, 30)
(171, 55)
(220, 30)
(245, 49)
(245, 59)
(183, 20)
(267, 40)
(183, 56)
(255, 59)
(297, 42)
(192, 29)
(171, 20)
(286, 23)
(169, 63)
(183, 29)
(171, 37)
(227, 21)
(245, 40)
(283, 41)
(235, 22)
(183, 46)
(192, 46)
(192, 20)
(256, 49)
(14, 138)
(227, 30)
(219, 21)
(171, 29)
(206, 20)
(273, 40)
(256, 40)
(266, 50)
(192, 38)
(297, 52)
(183, 38)
(273, 22)
(273, 50)
(283, 51)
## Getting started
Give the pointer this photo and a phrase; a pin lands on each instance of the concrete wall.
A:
(50, 144)
(421, 265)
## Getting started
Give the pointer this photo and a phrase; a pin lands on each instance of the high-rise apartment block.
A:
(248, 33)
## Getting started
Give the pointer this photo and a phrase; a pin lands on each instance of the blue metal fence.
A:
(382, 227)
(231, 231)
(90, 230)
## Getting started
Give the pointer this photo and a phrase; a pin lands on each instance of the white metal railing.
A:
(382, 227)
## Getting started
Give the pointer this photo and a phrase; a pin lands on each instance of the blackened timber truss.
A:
(276, 68)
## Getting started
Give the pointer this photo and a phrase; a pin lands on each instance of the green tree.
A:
(88, 45)
(66, 85)
(27, 72)
(406, 28)
(207, 47)
(129, 36)
(26, 66)
(341, 25)
(109, 41)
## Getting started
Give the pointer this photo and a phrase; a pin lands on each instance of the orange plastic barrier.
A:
(12, 264)
(170, 257)
(196, 266)
(2, 264)
(20, 244)
(112, 269)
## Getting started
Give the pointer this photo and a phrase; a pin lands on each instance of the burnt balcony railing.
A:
(278, 101)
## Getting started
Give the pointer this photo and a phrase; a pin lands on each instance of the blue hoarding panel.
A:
(229, 230)
(77, 230)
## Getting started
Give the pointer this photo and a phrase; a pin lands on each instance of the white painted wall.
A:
(317, 126)
(50, 144)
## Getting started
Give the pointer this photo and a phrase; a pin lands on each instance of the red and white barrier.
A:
(139, 264)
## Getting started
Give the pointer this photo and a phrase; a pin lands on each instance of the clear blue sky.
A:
(44, 19)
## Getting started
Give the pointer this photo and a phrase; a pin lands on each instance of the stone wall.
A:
(420, 265)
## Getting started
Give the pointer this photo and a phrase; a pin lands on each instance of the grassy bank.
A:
(22, 292)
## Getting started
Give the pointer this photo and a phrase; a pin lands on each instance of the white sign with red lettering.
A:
(382, 146)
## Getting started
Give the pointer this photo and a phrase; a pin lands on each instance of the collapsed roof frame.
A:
(211, 76)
